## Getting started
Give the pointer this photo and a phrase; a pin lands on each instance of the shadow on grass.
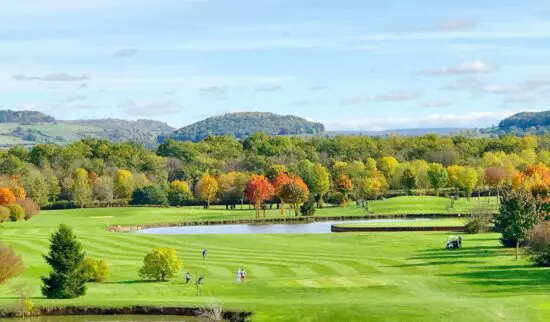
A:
(526, 279)
(437, 263)
(132, 282)
(466, 252)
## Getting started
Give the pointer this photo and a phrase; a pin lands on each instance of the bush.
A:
(11, 265)
(95, 270)
(308, 208)
(178, 198)
(149, 195)
(539, 244)
(335, 198)
(30, 207)
(160, 265)
(4, 214)
(17, 212)
(479, 220)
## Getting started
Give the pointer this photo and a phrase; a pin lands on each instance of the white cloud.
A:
(436, 103)
(150, 109)
(355, 100)
(214, 89)
(318, 88)
(127, 52)
(398, 96)
(499, 89)
(454, 25)
(469, 67)
(52, 77)
(462, 84)
(466, 120)
(270, 88)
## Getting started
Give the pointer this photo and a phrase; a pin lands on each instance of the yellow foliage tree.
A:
(207, 188)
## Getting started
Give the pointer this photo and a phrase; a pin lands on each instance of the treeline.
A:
(218, 169)
(8, 116)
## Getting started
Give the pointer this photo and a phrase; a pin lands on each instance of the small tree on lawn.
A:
(258, 190)
(161, 265)
(539, 244)
(295, 192)
(344, 185)
(11, 265)
(438, 177)
(372, 188)
(207, 188)
(278, 183)
(518, 215)
(65, 257)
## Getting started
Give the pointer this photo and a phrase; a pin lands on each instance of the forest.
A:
(92, 172)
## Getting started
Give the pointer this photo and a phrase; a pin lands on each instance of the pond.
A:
(111, 318)
(319, 227)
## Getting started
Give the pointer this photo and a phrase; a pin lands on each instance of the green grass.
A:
(321, 277)
(69, 132)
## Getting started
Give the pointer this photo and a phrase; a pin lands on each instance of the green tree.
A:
(467, 180)
(36, 187)
(103, 190)
(372, 187)
(81, 191)
(408, 180)
(517, 216)
(149, 195)
(179, 193)
(161, 265)
(320, 184)
(438, 177)
(95, 270)
(65, 257)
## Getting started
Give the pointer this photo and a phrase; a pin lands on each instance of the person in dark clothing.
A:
(187, 278)
(204, 254)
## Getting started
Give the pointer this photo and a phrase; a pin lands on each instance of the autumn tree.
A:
(179, 193)
(344, 186)
(207, 188)
(124, 184)
(294, 192)
(278, 183)
(104, 189)
(36, 186)
(227, 183)
(258, 190)
(438, 177)
(160, 265)
(6, 196)
(11, 265)
(495, 177)
(388, 165)
(372, 187)
(274, 170)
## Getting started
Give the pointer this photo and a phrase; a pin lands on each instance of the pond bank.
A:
(129, 310)
(276, 220)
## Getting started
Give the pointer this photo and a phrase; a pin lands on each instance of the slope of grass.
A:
(323, 277)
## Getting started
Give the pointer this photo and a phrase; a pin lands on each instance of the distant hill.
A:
(243, 124)
(29, 128)
(526, 122)
(404, 132)
(9, 116)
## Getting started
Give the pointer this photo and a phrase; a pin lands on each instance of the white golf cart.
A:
(454, 242)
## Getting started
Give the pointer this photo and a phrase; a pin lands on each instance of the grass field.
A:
(322, 277)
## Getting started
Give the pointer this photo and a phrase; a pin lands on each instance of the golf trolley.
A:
(454, 242)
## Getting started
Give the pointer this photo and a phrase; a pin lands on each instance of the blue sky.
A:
(351, 64)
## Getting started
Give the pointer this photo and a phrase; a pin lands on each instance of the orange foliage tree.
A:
(295, 192)
(344, 185)
(6, 196)
(258, 190)
(278, 182)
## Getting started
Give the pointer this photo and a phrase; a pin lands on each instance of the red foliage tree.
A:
(258, 190)
(295, 192)
(344, 185)
(495, 177)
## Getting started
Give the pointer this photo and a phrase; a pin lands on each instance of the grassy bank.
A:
(322, 277)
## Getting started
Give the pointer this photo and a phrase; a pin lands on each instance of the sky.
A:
(350, 64)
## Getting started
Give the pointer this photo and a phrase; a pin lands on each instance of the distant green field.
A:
(321, 277)
(49, 132)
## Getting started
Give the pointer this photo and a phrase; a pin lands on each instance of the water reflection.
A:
(320, 227)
